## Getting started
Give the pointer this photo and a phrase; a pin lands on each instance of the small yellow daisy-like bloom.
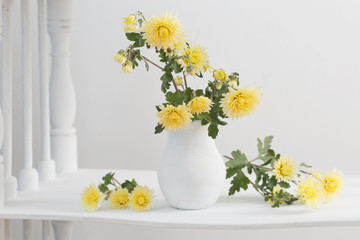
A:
(276, 190)
(91, 198)
(241, 102)
(178, 80)
(200, 105)
(196, 56)
(131, 19)
(119, 198)
(131, 28)
(163, 31)
(141, 199)
(311, 192)
(220, 75)
(120, 57)
(285, 169)
(174, 118)
(127, 67)
(332, 183)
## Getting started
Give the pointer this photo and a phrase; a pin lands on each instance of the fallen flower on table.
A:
(275, 175)
(126, 195)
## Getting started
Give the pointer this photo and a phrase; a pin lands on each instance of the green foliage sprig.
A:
(264, 174)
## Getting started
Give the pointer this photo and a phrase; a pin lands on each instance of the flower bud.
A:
(178, 80)
(120, 57)
(218, 85)
(233, 84)
(190, 70)
(131, 19)
(220, 75)
(127, 67)
(131, 28)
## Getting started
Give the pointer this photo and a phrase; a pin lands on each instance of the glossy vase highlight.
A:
(191, 172)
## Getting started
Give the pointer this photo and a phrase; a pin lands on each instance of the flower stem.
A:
(258, 190)
(148, 60)
(185, 79)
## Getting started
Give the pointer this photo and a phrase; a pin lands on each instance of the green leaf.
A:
(108, 178)
(238, 182)
(199, 92)
(103, 188)
(140, 20)
(177, 67)
(231, 172)
(147, 66)
(132, 36)
(158, 129)
(213, 130)
(129, 185)
(304, 165)
(166, 78)
(284, 184)
(175, 99)
(267, 143)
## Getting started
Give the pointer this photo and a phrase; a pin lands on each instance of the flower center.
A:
(164, 32)
(194, 58)
(141, 200)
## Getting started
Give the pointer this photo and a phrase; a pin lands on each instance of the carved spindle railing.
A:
(46, 165)
(2, 177)
(28, 176)
(62, 93)
(6, 72)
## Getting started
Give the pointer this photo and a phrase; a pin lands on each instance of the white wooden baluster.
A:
(2, 173)
(2, 177)
(62, 230)
(46, 165)
(28, 176)
(62, 93)
(46, 230)
(27, 230)
(10, 181)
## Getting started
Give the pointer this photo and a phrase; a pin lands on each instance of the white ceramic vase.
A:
(191, 172)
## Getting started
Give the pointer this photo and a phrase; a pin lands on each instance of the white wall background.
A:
(305, 55)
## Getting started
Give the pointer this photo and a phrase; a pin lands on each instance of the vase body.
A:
(191, 172)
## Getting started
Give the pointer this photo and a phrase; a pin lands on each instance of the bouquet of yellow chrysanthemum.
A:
(119, 195)
(222, 98)
(276, 174)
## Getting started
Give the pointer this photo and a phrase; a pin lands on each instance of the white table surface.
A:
(60, 200)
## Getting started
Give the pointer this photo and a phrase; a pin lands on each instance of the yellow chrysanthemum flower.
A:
(163, 31)
(127, 67)
(141, 199)
(91, 198)
(120, 57)
(285, 169)
(174, 118)
(196, 56)
(119, 198)
(220, 75)
(241, 102)
(131, 19)
(311, 192)
(200, 105)
(332, 183)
